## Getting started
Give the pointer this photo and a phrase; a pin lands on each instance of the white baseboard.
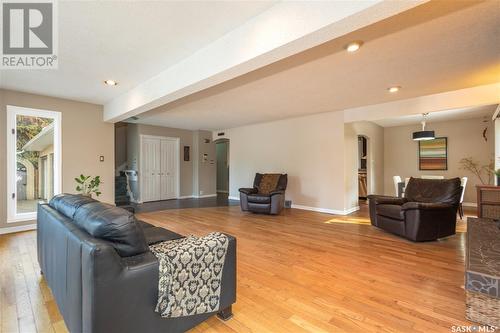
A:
(205, 196)
(326, 210)
(234, 198)
(10, 230)
(469, 204)
(185, 197)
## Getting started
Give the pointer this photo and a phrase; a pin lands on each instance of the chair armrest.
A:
(248, 190)
(276, 192)
(386, 200)
(425, 205)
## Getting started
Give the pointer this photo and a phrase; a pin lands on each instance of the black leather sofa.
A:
(272, 202)
(96, 260)
(427, 212)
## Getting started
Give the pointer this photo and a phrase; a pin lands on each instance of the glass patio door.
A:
(33, 160)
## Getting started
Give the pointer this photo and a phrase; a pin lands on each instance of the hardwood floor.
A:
(298, 272)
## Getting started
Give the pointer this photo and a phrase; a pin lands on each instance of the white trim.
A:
(326, 210)
(12, 113)
(469, 204)
(204, 196)
(10, 230)
(233, 198)
(185, 197)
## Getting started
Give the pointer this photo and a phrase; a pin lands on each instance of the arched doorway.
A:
(364, 172)
(26, 179)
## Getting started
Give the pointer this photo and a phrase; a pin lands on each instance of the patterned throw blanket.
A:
(190, 274)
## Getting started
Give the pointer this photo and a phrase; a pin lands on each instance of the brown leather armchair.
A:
(267, 194)
(427, 212)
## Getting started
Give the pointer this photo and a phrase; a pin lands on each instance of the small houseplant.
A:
(86, 185)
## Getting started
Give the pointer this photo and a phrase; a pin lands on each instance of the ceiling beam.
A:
(450, 100)
(285, 29)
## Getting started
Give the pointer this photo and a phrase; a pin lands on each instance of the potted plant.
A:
(497, 174)
(86, 185)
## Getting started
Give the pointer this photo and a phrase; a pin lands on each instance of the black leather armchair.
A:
(427, 212)
(268, 202)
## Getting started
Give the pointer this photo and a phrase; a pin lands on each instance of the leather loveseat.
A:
(96, 260)
(427, 212)
(267, 194)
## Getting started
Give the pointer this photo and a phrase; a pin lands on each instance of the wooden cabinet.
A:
(488, 201)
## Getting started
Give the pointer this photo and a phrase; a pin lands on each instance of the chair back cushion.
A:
(265, 183)
(67, 204)
(434, 190)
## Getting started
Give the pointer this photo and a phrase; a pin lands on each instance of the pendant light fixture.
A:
(423, 134)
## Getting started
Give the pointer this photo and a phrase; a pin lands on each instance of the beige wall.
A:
(207, 170)
(195, 176)
(465, 139)
(85, 137)
(310, 149)
(375, 162)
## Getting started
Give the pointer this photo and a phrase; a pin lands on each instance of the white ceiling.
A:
(127, 41)
(440, 116)
(436, 47)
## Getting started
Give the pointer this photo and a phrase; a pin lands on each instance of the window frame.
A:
(11, 158)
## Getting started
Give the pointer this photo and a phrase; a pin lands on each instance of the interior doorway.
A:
(363, 166)
(222, 154)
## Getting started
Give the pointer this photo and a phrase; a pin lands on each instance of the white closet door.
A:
(169, 172)
(151, 178)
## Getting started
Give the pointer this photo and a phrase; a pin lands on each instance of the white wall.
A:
(310, 149)
(465, 139)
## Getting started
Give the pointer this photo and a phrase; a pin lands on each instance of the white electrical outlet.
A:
(201, 192)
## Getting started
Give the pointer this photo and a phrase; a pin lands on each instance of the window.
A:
(33, 160)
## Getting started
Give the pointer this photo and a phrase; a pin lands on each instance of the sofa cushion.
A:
(113, 224)
(392, 211)
(259, 198)
(67, 204)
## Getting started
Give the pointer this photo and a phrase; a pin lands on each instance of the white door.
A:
(169, 171)
(151, 169)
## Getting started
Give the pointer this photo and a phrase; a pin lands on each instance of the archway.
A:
(29, 188)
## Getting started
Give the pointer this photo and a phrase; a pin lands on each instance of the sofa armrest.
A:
(248, 190)
(276, 192)
(425, 205)
(127, 288)
(386, 200)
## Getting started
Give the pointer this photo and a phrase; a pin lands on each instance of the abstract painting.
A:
(433, 154)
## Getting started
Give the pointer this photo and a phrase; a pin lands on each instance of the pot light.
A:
(423, 134)
(394, 89)
(110, 82)
(353, 46)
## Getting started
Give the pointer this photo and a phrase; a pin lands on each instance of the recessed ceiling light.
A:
(353, 46)
(394, 89)
(110, 82)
